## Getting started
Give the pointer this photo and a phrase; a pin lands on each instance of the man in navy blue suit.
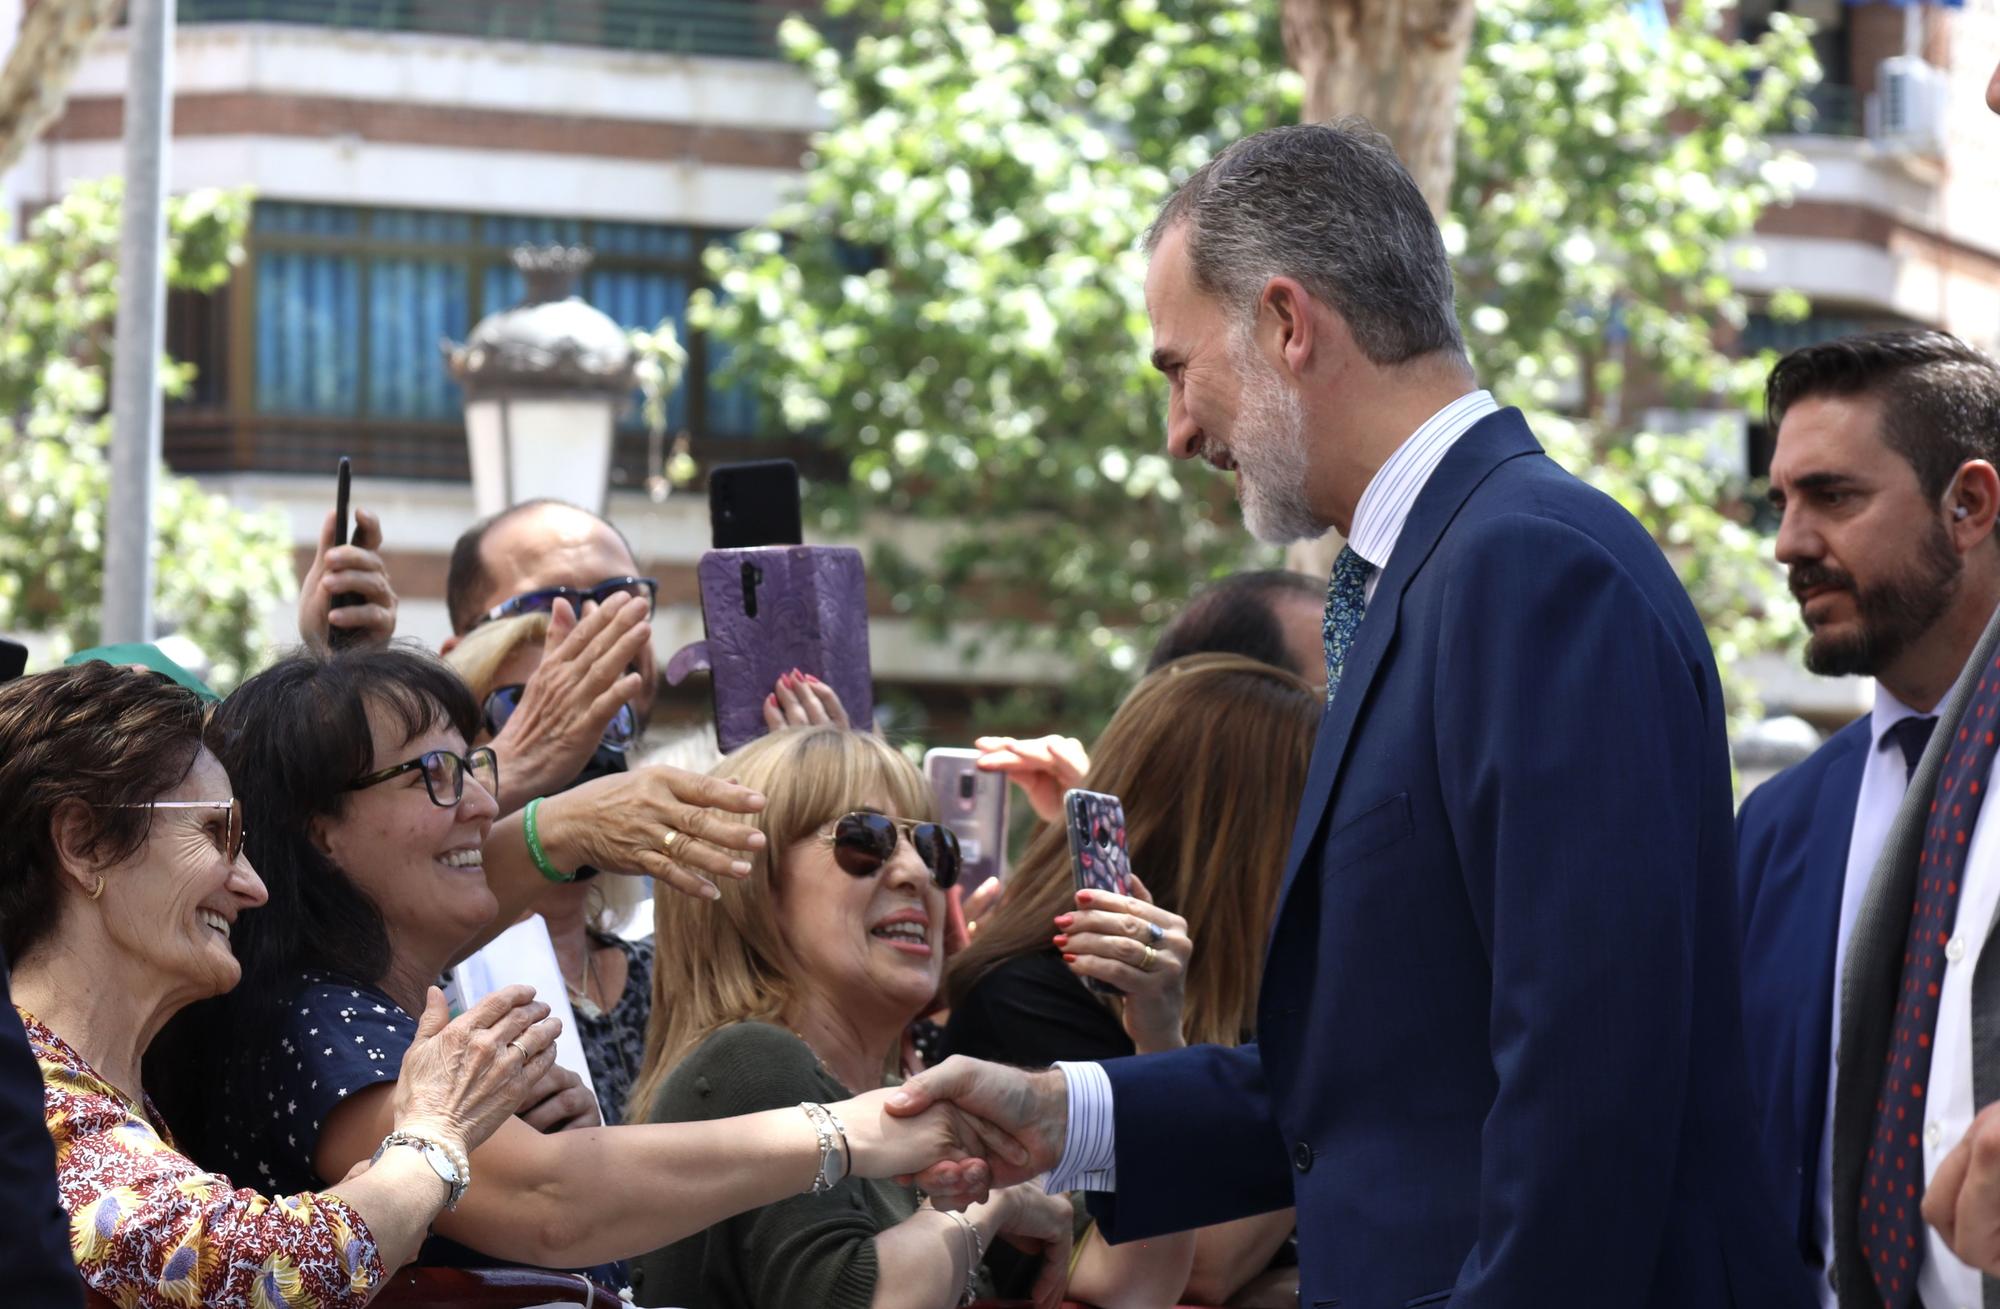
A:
(1500, 1056)
(1883, 477)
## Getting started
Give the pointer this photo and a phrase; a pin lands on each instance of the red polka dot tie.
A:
(1892, 1180)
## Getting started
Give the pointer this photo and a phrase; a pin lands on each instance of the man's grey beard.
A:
(1271, 454)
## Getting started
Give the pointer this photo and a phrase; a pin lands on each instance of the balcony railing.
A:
(692, 27)
(1836, 111)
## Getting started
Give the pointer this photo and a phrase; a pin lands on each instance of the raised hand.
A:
(802, 700)
(1963, 1201)
(569, 700)
(659, 822)
(1141, 949)
(1043, 768)
(357, 569)
(1021, 1121)
(463, 1077)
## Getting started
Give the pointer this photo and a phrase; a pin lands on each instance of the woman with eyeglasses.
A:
(373, 811)
(797, 986)
(122, 880)
(608, 977)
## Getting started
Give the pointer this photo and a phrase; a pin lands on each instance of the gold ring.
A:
(674, 842)
(1146, 962)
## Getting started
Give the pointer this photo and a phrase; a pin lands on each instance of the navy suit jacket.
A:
(1501, 1052)
(1791, 866)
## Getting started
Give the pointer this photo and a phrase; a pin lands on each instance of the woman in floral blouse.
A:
(121, 878)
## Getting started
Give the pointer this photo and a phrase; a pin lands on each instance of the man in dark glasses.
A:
(524, 559)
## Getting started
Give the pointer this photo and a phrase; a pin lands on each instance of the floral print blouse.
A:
(149, 1228)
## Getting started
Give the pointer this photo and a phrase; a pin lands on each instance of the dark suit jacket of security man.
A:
(1500, 1057)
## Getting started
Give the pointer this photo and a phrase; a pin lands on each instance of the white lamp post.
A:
(544, 383)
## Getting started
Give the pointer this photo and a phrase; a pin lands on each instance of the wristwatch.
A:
(449, 1165)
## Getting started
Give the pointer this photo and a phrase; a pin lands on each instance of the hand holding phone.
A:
(349, 560)
(1099, 860)
(972, 802)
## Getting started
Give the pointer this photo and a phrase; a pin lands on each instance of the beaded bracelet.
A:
(535, 851)
(975, 1250)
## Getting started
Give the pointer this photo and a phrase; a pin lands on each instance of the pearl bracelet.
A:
(834, 1154)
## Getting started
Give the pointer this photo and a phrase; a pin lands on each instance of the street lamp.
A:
(544, 383)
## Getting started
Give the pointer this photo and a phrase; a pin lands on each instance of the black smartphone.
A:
(339, 636)
(13, 659)
(1099, 860)
(755, 503)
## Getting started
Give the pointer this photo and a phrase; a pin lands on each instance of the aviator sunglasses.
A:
(863, 841)
(544, 600)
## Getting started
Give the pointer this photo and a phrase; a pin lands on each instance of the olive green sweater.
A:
(808, 1252)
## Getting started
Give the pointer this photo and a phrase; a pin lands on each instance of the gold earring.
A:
(97, 890)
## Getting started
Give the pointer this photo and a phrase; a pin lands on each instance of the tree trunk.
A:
(1397, 63)
(46, 52)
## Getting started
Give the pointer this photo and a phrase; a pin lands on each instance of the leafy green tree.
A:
(955, 302)
(217, 569)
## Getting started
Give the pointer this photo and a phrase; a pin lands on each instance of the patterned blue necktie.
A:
(1346, 597)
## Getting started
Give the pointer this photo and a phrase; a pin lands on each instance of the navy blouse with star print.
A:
(338, 1038)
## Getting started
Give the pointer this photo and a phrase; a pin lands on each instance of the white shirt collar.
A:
(1386, 503)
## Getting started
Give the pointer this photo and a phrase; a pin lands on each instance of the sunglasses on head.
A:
(863, 841)
(229, 841)
(502, 701)
(544, 600)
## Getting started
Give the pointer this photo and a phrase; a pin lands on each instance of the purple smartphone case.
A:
(770, 609)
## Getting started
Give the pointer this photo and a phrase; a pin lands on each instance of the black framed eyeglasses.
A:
(230, 842)
(544, 600)
(863, 841)
(444, 774)
(502, 701)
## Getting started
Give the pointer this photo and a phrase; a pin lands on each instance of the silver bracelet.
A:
(975, 1249)
(834, 1155)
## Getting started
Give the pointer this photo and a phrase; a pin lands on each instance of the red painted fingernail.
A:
(771, 698)
(812, 679)
(1061, 941)
(1064, 920)
(1083, 897)
(1069, 958)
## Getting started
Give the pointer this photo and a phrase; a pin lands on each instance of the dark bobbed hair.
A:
(466, 578)
(1237, 615)
(293, 738)
(1940, 397)
(95, 735)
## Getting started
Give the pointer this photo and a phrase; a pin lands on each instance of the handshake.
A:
(961, 1129)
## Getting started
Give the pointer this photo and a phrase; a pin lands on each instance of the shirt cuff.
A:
(1089, 1160)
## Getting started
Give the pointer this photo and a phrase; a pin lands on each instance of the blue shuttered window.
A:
(352, 304)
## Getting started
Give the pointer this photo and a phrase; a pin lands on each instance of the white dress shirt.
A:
(1089, 1151)
(1942, 1281)
(1884, 777)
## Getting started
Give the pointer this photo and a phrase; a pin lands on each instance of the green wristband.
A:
(535, 851)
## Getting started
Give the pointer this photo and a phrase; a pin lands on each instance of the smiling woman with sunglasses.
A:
(797, 986)
(372, 812)
(122, 878)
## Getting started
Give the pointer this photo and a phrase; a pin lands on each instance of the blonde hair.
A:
(1209, 754)
(485, 650)
(724, 962)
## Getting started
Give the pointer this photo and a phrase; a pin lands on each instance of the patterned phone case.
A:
(1099, 860)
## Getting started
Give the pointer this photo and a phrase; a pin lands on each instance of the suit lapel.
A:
(1485, 446)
